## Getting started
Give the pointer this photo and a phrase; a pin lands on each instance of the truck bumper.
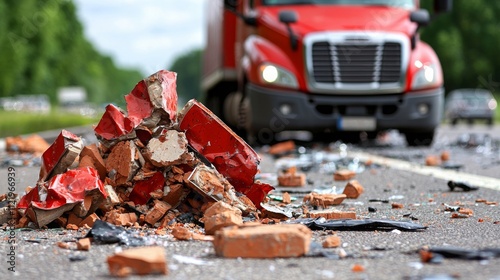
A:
(280, 110)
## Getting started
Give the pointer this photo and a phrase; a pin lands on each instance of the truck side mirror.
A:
(288, 17)
(442, 6)
(421, 17)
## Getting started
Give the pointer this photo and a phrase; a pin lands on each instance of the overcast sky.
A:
(146, 34)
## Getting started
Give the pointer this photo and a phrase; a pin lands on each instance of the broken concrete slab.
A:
(168, 148)
(140, 261)
(263, 241)
(60, 155)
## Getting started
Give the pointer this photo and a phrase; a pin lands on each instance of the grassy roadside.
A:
(18, 123)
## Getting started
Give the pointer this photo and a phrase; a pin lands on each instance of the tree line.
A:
(43, 47)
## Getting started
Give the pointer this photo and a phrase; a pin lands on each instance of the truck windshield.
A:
(407, 4)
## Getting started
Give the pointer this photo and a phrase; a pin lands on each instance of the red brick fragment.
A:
(140, 261)
(83, 244)
(90, 220)
(395, 205)
(445, 156)
(432, 160)
(123, 162)
(92, 153)
(282, 148)
(287, 199)
(263, 241)
(31, 144)
(343, 175)
(120, 219)
(324, 200)
(331, 214)
(353, 189)
(157, 212)
(291, 178)
(357, 268)
(220, 215)
(331, 241)
(466, 211)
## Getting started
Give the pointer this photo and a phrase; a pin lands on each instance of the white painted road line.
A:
(437, 172)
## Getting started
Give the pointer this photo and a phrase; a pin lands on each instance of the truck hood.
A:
(317, 18)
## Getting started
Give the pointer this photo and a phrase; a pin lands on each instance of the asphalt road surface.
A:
(398, 175)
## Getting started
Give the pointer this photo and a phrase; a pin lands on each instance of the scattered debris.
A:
(324, 200)
(83, 244)
(353, 189)
(364, 225)
(282, 148)
(343, 175)
(140, 261)
(436, 254)
(331, 214)
(332, 241)
(34, 144)
(103, 232)
(432, 160)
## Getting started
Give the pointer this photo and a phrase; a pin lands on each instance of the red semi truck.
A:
(324, 66)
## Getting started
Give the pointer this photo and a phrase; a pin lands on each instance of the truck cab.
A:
(334, 66)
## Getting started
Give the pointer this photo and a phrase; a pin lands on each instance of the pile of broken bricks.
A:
(153, 164)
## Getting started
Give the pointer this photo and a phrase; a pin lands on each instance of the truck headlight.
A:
(425, 77)
(272, 74)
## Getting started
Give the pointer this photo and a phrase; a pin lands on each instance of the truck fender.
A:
(425, 54)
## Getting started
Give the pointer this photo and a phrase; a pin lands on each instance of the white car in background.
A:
(470, 104)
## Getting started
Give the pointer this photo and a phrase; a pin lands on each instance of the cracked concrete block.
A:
(140, 261)
(263, 241)
(169, 148)
(60, 155)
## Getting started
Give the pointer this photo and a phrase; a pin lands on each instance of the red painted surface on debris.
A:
(142, 189)
(257, 192)
(232, 156)
(69, 187)
(52, 155)
(138, 103)
(32, 195)
(169, 92)
(113, 124)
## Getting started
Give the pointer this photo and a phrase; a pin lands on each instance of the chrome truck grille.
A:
(364, 64)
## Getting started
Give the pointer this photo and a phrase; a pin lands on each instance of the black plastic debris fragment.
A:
(104, 232)
(466, 188)
(432, 277)
(465, 254)
(77, 258)
(378, 200)
(362, 225)
(410, 216)
(372, 209)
